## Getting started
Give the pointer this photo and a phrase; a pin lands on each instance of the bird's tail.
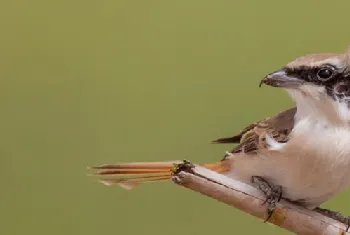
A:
(130, 175)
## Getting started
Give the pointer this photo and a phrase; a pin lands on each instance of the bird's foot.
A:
(334, 215)
(273, 194)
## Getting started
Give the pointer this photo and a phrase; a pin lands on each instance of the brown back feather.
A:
(252, 138)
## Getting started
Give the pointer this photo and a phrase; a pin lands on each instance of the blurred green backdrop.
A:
(91, 82)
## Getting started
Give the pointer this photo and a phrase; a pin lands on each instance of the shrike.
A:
(301, 154)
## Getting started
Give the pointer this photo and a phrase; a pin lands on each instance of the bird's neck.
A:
(318, 106)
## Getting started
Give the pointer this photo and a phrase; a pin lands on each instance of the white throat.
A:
(315, 104)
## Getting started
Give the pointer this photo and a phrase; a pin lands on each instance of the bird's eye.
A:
(324, 74)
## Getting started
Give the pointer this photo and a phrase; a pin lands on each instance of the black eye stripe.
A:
(339, 76)
(304, 73)
(309, 74)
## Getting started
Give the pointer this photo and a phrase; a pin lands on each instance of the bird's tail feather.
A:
(130, 175)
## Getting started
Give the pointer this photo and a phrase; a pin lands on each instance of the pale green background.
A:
(91, 82)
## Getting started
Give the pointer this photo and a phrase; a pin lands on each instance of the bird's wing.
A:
(253, 137)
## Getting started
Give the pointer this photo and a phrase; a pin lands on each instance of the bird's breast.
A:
(315, 161)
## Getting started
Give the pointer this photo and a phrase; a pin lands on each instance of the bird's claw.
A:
(184, 165)
(273, 194)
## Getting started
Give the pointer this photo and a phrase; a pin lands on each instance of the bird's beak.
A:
(281, 79)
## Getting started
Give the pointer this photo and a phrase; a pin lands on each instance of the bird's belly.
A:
(311, 167)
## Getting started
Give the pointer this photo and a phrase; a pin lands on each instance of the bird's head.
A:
(316, 81)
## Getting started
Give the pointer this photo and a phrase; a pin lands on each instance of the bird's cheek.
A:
(312, 91)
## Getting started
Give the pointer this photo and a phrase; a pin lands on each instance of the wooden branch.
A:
(249, 199)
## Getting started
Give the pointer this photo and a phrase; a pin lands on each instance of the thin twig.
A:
(248, 199)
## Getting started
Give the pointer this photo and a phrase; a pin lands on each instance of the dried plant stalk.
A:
(248, 199)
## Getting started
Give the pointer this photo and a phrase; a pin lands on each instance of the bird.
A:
(301, 154)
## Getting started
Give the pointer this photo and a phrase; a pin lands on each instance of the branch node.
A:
(177, 180)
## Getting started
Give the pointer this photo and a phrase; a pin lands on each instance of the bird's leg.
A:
(334, 215)
(273, 194)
